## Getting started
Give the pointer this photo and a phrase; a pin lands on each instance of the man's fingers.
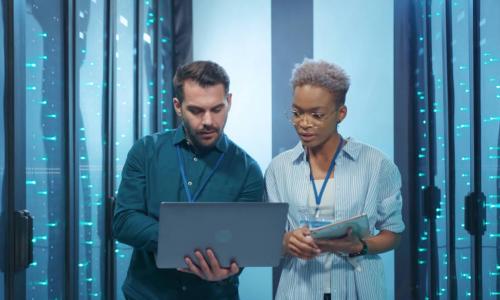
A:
(211, 270)
(234, 268)
(192, 268)
(185, 270)
(203, 264)
(212, 260)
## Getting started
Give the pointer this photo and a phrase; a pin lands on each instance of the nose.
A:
(304, 121)
(207, 119)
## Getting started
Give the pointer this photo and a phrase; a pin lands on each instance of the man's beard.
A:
(192, 137)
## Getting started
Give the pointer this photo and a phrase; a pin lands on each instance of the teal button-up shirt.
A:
(151, 175)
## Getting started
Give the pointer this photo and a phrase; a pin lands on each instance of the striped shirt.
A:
(365, 181)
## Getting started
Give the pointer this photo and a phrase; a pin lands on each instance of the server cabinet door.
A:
(125, 119)
(91, 93)
(45, 147)
(3, 199)
(490, 145)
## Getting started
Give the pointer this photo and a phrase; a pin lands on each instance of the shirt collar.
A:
(180, 137)
(351, 149)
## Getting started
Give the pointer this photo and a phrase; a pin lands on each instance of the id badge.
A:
(314, 216)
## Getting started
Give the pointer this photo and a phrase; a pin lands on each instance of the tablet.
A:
(249, 233)
(359, 225)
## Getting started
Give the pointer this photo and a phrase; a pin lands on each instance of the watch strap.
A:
(363, 250)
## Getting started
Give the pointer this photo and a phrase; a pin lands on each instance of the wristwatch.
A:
(363, 250)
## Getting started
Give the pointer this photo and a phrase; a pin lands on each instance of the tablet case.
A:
(359, 225)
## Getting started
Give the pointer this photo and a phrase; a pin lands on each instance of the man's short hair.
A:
(204, 73)
(322, 74)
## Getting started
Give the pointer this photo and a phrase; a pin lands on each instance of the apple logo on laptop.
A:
(223, 235)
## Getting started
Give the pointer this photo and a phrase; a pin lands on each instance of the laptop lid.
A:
(249, 233)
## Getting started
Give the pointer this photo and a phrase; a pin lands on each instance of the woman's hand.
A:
(299, 243)
(347, 244)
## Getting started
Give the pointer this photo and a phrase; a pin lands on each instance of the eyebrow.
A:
(218, 106)
(201, 108)
(311, 109)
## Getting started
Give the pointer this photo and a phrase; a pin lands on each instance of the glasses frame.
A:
(314, 119)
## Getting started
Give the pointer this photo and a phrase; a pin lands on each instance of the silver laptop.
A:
(249, 233)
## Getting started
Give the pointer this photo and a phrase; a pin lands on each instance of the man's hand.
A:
(299, 243)
(211, 270)
(347, 244)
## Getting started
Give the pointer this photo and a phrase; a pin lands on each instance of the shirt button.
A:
(184, 288)
(195, 158)
(190, 183)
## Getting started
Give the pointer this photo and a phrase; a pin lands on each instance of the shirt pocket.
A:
(349, 200)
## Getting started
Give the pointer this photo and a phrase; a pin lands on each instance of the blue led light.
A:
(50, 138)
(41, 237)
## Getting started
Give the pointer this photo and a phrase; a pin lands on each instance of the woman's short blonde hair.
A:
(322, 74)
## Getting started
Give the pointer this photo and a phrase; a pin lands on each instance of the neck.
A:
(323, 153)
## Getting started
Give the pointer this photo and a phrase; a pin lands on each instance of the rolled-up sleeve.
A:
(131, 223)
(390, 200)
(272, 189)
(271, 194)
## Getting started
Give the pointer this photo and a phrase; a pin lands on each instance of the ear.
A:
(229, 99)
(177, 106)
(342, 113)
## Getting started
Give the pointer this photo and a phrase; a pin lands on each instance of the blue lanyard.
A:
(330, 170)
(183, 175)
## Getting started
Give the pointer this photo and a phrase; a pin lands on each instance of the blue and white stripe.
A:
(365, 181)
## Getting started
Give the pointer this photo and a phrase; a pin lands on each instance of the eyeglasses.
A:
(315, 119)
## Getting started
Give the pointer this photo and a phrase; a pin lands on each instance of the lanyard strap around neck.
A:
(328, 174)
(190, 197)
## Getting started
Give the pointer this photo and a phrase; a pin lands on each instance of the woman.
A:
(328, 178)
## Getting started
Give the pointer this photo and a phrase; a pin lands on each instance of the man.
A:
(195, 162)
(327, 177)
